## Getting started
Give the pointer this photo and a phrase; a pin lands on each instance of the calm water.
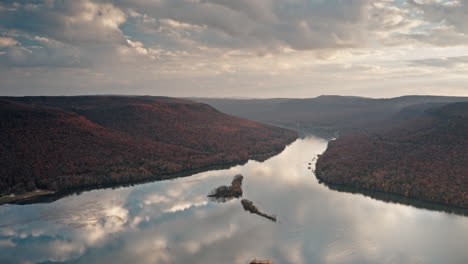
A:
(174, 222)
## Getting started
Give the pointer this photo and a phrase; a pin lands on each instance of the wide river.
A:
(174, 222)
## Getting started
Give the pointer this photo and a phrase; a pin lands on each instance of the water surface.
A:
(174, 222)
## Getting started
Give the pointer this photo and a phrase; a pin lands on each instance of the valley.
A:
(63, 143)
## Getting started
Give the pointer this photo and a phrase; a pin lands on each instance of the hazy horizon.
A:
(234, 97)
(221, 48)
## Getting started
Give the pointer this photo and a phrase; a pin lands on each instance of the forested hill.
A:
(59, 143)
(323, 115)
(419, 153)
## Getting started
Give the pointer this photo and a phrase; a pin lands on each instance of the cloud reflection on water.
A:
(174, 222)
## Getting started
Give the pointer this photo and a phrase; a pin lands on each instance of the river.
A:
(174, 222)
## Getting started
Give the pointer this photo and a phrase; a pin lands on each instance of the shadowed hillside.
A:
(420, 153)
(412, 145)
(323, 115)
(60, 143)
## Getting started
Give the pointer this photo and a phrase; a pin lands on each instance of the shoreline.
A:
(12, 198)
(346, 184)
(47, 196)
(395, 198)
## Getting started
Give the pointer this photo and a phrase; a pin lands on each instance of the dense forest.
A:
(62, 143)
(421, 152)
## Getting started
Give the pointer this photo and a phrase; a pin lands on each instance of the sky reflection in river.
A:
(174, 222)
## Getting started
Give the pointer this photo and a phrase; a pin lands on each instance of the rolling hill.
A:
(325, 115)
(62, 143)
(413, 146)
(419, 153)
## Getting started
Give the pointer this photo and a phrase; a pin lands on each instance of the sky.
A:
(234, 48)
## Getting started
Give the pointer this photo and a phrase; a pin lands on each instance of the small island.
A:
(224, 193)
(261, 261)
(249, 206)
(66, 144)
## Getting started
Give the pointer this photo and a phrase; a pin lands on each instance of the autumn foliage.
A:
(61, 143)
(422, 156)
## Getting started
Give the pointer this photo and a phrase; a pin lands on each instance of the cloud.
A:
(452, 12)
(265, 24)
(449, 62)
(442, 36)
(60, 33)
(131, 30)
(7, 243)
(448, 20)
(74, 22)
(189, 47)
(7, 42)
(38, 56)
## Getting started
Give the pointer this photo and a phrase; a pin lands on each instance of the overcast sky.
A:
(226, 48)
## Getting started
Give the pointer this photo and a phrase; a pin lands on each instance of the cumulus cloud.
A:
(449, 18)
(132, 28)
(452, 12)
(60, 33)
(76, 22)
(125, 45)
(265, 24)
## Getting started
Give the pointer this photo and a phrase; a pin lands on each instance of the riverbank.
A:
(12, 198)
(422, 157)
(179, 217)
(395, 198)
(46, 196)
(63, 143)
(339, 175)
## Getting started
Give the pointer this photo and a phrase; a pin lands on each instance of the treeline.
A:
(60, 143)
(420, 156)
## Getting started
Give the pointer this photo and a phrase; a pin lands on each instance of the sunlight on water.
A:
(174, 222)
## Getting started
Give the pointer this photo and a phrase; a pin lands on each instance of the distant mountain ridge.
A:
(60, 143)
(413, 146)
(324, 115)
